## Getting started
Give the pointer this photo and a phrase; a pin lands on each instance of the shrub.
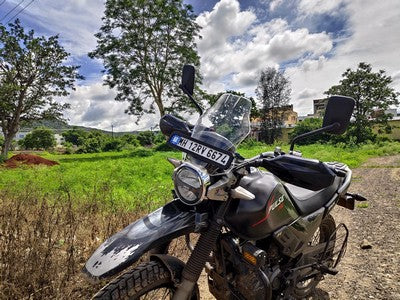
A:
(75, 136)
(115, 144)
(39, 138)
(146, 138)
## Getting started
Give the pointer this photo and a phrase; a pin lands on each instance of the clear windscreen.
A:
(229, 117)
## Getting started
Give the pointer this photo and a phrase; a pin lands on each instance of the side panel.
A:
(127, 246)
(295, 236)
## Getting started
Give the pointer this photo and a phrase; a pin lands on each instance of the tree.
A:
(144, 45)
(75, 136)
(32, 72)
(372, 93)
(273, 92)
(39, 138)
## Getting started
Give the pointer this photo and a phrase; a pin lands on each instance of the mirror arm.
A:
(307, 134)
(192, 99)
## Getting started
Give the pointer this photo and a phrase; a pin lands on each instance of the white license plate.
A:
(199, 149)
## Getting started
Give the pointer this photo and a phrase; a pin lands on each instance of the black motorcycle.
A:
(262, 234)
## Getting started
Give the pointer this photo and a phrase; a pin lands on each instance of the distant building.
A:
(319, 107)
(288, 115)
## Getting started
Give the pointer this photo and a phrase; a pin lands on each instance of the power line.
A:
(2, 2)
(12, 10)
(20, 11)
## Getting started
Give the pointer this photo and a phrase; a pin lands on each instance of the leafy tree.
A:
(115, 144)
(1, 141)
(144, 45)
(146, 138)
(75, 136)
(273, 91)
(131, 139)
(372, 93)
(39, 138)
(32, 72)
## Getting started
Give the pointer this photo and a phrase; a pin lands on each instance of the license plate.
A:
(201, 150)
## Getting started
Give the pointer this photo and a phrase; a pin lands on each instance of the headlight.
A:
(190, 184)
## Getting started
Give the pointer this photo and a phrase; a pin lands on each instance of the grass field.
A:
(141, 179)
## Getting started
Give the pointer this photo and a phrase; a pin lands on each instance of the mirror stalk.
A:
(198, 107)
(307, 134)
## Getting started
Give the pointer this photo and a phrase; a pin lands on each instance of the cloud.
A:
(374, 42)
(274, 4)
(308, 7)
(76, 21)
(236, 45)
(93, 105)
(307, 93)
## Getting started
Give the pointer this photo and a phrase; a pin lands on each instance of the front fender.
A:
(127, 246)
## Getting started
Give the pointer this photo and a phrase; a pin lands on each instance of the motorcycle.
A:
(262, 234)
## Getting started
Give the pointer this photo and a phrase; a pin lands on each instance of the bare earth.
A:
(372, 273)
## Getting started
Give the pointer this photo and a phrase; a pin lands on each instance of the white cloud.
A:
(75, 20)
(274, 4)
(308, 7)
(237, 45)
(94, 106)
(375, 40)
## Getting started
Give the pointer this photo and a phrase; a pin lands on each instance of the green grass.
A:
(141, 178)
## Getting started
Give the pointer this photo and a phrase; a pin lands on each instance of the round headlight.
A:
(190, 184)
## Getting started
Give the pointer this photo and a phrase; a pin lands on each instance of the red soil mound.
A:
(28, 159)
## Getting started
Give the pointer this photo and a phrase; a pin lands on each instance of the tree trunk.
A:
(7, 144)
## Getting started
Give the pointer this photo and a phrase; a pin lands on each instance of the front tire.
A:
(150, 280)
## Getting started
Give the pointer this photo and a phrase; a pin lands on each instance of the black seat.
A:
(307, 201)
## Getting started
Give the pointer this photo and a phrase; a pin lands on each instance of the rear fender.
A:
(127, 246)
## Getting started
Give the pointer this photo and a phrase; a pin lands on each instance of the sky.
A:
(312, 41)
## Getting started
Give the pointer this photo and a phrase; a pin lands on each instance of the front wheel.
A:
(150, 280)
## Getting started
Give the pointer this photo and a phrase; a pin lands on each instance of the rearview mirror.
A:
(187, 84)
(338, 110)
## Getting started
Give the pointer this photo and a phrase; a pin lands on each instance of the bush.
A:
(69, 148)
(75, 136)
(163, 147)
(115, 144)
(308, 125)
(39, 138)
(130, 139)
(146, 138)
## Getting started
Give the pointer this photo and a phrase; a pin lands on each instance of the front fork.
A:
(200, 255)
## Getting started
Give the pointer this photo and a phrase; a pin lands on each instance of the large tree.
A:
(144, 45)
(32, 72)
(273, 92)
(373, 95)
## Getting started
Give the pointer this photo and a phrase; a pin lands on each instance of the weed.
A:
(363, 205)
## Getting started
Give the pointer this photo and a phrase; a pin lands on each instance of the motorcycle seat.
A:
(307, 201)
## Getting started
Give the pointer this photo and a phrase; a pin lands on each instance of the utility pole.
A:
(112, 131)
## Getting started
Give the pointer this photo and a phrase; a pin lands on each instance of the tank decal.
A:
(267, 212)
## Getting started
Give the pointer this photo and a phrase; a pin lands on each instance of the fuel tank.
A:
(270, 210)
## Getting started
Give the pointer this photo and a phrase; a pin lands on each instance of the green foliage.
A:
(32, 72)
(75, 136)
(39, 138)
(144, 45)
(1, 141)
(146, 138)
(69, 148)
(308, 125)
(273, 91)
(130, 139)
(371, 91)
(115, 144)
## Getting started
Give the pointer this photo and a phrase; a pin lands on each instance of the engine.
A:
(243, 271)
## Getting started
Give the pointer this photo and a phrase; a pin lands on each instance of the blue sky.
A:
(312, 41)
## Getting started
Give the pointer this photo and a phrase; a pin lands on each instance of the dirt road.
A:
(372, 273)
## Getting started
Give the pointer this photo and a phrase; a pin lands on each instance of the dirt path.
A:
(372, 273)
